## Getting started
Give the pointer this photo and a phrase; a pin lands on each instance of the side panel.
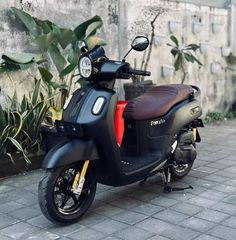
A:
(70, 151)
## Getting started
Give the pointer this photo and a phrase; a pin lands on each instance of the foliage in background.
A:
(58, 46)
(20, 123)
(212, 117)
(182, 55)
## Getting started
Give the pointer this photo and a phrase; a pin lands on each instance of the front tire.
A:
(57, 202)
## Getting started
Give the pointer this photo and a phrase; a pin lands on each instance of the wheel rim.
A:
(180, 168)
(65, 201)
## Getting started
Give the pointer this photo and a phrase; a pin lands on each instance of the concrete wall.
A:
(216, 90)
(123, 19)
(14, 38)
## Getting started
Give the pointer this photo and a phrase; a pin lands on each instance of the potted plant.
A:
(20, 137)
(59, 48)
(182, 55)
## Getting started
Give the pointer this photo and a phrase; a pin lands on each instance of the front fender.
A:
(70, 151)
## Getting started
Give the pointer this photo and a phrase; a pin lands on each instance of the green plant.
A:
(59, 46)
(182, 55)
(20, 123)
(212, 117)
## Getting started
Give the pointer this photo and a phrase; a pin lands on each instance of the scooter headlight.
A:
(85, 67)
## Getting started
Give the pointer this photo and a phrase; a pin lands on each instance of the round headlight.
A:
(85, 67)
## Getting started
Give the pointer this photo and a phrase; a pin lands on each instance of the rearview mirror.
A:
(140, 43)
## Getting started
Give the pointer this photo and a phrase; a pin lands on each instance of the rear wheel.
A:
(179, 171)
(57, 202)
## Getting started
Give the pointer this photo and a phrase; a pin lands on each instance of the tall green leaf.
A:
(175, 40)
(44, 41)
(80, 31)
(3, 121)
(36, 92)
(92, 28)
(45, 74)
(57, 58)
(92, 41)
(28, 21)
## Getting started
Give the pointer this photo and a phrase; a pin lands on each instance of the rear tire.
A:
(179, 171)
(57, 202)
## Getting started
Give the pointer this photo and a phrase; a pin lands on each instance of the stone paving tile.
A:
(158, 237)
(40, 221)
(87, 234)
(24, 213)
(212, 195)
(107, 210)
(177, 233)
(42, 235)
(147, 209)
(7, 220)
(171, 216)
(186, 208)
(164, 201)
(10, 206)
(224, 207)
(230, 222)
(109, 226)
(231, 199)
(206, 237)
(65, 230)
(129, 217)
(224, 188)
(223, 232)
(213, 216)
(197, 224)
(216, 178)
(91, 218)
(132, 233)
(154, 225)
(19, 230)
(202, 202)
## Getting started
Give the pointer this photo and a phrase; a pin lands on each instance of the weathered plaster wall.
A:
(215, 87)
(121, 23)
(14, 38)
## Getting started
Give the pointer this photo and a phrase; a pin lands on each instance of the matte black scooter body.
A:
(160, 134)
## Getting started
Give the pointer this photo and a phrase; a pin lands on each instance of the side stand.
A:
(166, 177)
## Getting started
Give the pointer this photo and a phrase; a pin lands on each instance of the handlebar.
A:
(139, 72)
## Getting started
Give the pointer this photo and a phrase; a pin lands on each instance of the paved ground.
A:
(206, 213)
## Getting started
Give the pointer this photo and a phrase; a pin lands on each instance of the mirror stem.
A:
(123, 60)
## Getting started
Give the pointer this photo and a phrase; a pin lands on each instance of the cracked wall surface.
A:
(123, 19)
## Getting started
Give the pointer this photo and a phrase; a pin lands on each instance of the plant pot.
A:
(133, 90)
(197, 27)
(225, 51)
(7, 168)
(215, 68)
(167, 71)
(216, 27)
(204, 47)
(174, 26)
(51, 138)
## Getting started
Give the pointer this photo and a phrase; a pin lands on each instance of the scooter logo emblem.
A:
(157, 122)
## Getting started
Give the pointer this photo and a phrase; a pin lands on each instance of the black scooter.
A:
(160, 136)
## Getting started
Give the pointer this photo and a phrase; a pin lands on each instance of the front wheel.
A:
(57, 202)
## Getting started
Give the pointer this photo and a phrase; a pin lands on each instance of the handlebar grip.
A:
(139, 72)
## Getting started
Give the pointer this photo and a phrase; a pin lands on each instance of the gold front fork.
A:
(79, 180)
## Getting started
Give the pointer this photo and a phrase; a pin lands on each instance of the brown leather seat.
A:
(157, 101)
